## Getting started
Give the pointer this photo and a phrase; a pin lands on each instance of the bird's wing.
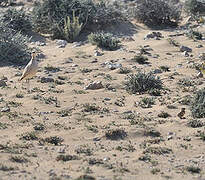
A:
(26, 71)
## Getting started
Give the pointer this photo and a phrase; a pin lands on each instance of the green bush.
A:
(17, 20)
(142, 83)
(13, 45)
(158, 12)
(198, 104)
(195, 7)
(49, 15)
(71, 28)
(104, 40)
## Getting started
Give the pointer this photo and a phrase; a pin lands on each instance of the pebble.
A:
(46, 79)
(5, 109)
(2, 83)
(185, 48)
(61, 43)
(94, 85)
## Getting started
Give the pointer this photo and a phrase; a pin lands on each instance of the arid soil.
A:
(60, 130)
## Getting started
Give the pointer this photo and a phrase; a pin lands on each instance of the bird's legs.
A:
(28, 85)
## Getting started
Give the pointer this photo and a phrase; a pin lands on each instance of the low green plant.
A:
(198, 104)
(140, 59)
(104, 40)
(194, 7)
(13, 46)
(142, 83)
(196, 35)
(17, 20)
(146, 102)
(71, 28)
(157, 12)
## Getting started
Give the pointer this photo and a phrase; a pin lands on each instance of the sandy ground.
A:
(149, 147)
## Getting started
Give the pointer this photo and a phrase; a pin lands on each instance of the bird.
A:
(181, 113)
(31, 69)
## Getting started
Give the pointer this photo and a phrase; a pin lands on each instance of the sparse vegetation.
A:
(71, 28)
(140, 59)
(17, 20)
(198, 104)
(146, 102)
(196, 35)
(195, 123)
(104, 40)
(142, 83)
(193, 169)
(158, 150)
(13, 46)
(194, 7)
(115, 134)
(54, 140)
(158, 12)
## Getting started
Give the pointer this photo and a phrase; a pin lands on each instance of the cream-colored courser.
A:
(31, 68)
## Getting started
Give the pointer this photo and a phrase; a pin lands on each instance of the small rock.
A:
(185, 54)
(199, 75)
(38, 43)
(127, 39)
(113, 66)
(157, 71)
(155, 35)
(74, 65)
(94, 85)
(97, 53)
(69, 60)
(107, 99)
(2, 83)
(185, 48)
(94, 61)
(202, 56)
(199, 46)
(155, 56)
(5, 109)
(61, 43)
(46, 80)
(169, 137)
(77, 44)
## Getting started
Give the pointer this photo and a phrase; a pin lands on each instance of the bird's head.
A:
(33, 54)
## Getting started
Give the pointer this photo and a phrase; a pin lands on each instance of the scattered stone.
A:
(94, 61)
(5, 109)
(38, 43)
(202, 56)
(127, 39)
(157, 71)
(2, 83)
(94, 85)
(185, 54)
(68, 60)
(74, 65)
(107, 99)
(77, 44)
(169, 137)
(61, 43)
(113, 66)
(46, 80)
(97, 53)
(155, 35)
(155, 56)
(199, 75)
(185, 48)
(199, 46)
